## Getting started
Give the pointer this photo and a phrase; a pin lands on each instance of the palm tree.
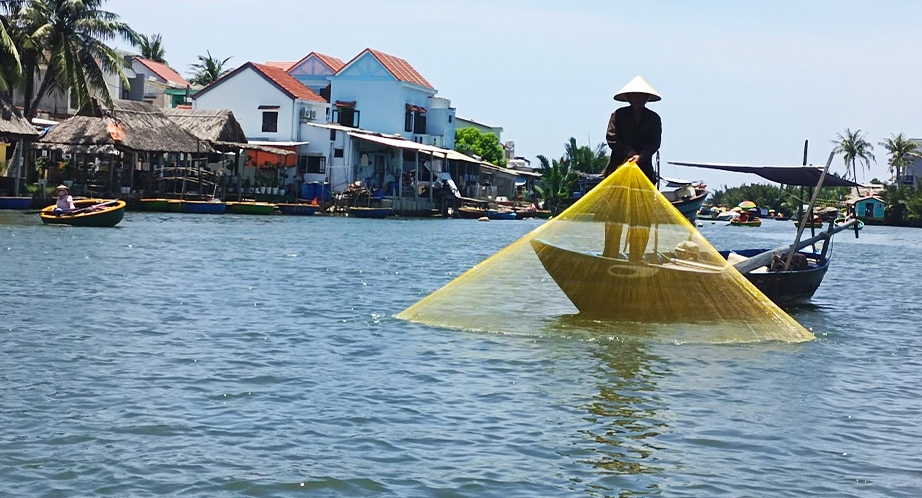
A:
(152, 47)
(68, 38)
(556, 185)
(585, 159)
(903, 153)
(854, 148)
(208, 69)
(10, 65)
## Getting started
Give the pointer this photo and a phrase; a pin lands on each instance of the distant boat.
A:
(298, 209)
(203, 207)
(161, 205)
(752, 222)
(370, 212)
(248, 207)
(88, 213)
(471, 213)
(809, 224)
(15, 202)
(494, 214)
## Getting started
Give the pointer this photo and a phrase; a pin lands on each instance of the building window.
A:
(337, 153)
(270, 121)
(313, 164)
(419, 124)
(332, 135)
(408, 121)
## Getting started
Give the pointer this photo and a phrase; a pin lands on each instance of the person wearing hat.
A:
(65, 202)
(634, 132)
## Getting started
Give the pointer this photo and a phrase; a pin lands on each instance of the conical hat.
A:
(637, 85)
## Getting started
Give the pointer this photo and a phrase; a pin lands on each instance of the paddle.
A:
(83, 210)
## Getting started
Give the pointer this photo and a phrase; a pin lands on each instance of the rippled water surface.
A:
(258, 356)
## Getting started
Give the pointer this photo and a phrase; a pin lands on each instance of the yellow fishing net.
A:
(621, 260)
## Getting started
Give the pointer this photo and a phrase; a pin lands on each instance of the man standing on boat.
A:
(634, 132)
(634, 135)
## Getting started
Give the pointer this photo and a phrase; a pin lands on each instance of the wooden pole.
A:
(809, 213)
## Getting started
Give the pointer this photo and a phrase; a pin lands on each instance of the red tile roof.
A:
(284, 66)
(279, 78)
(401, 69)
(163, 71)
(287, 83)
(332, 62)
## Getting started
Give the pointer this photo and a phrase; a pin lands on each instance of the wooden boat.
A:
(203, 207)
(543, 213)
(250, 207)
(471, 213)
(298, 209)
(495, 214)
(161, 205)
(370, 212)
(15, 202)
(797, 284)
(88, 213)
(522, 213)
(754, 222)
(794, 286)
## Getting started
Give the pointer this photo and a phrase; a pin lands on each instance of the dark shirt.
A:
(627, 137)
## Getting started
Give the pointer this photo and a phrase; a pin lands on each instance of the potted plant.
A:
(68, 168)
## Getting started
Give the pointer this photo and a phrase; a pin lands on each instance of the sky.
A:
(742, 82)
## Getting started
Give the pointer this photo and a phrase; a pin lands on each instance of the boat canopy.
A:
(804, 176)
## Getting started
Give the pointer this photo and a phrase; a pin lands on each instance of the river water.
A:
(258, 356)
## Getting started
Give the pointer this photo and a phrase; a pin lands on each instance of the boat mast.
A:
(803, 223)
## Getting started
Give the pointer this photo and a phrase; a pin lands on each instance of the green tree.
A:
(854, 149)
(62, 46)
(556, 185)
(208, 69)
(486, 146)
(903, 153)
(152, 47)
(585, 159)
(10, 65)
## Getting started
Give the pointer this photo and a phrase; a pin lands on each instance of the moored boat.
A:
(250, 207)
(160, 205)
(370, 212)
(809, 224)
(298, 209)
(495, 214)
(471, 213)
(203, 207)
(757, 222)
(15, 202)
(88, 213)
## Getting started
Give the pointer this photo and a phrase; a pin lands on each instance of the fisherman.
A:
(65, 202)
(634, 132)
(634, 135)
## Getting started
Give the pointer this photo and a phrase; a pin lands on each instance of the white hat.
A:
(637, 85)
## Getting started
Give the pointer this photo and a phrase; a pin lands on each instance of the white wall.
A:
(243, 94)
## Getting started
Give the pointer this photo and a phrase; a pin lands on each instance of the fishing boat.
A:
(213, 206)
(88, 213)
(15, 202)
(161, 205)
(501, 214)
(298, 208)
(370, 212)
(788, 282)
(250, 207)
(751, 222)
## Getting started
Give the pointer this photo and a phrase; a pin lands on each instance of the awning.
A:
(804, 176)
(402, 144)
(268, 143)
(416, 108)
(344, 103)
(273, 107)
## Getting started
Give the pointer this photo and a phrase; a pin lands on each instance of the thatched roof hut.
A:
(129, 126)
(209, 125)
(13, 124)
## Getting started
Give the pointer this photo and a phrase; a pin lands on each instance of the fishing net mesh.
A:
(622, 259)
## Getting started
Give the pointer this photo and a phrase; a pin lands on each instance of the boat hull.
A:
(811, 224)
(15, 202)
(787, 287)
(298, 209)
(109, 216)
(690, 207)
(501, 215)
(203, 207)
(370, 212)
(750, 223)
(160, 205)
(469, 213)
(250, 208)
(646, 291)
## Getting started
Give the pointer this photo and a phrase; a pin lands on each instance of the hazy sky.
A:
(743, 82)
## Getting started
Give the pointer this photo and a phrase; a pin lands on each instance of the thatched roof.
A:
(130, 126)
(209, 125)
(12, 124)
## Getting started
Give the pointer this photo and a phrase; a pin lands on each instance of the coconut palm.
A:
(903, 153)
(556, 184)
(10, 65)
(152, 47)
(854, 149)
(208, 69)
(62, 46)
(585, 159)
